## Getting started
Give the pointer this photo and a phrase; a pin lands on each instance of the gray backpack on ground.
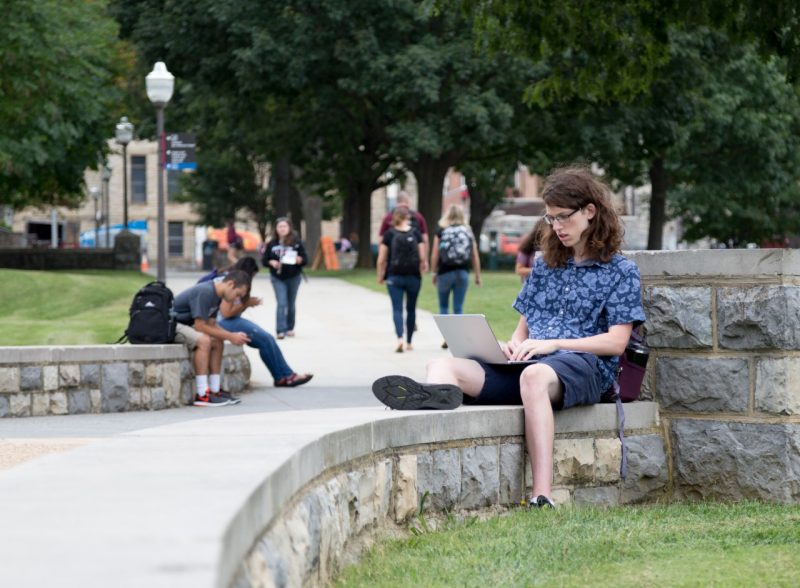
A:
(455, 245)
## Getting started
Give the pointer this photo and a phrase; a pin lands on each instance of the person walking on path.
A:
(416, 219)
(230, 319)
(578, 307)
(401, 263)
(454, 248)
(195, 312)
(285, 257)
(528, 249)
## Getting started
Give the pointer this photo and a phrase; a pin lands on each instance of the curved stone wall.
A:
(42, 380)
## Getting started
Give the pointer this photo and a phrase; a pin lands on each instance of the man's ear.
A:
(591, 211)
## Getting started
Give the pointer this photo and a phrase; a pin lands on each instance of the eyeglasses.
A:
(561, 219)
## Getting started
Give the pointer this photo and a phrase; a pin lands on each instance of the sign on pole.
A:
(180, 151)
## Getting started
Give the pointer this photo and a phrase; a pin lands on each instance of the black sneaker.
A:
(210, 399)
(229, 397)
(541, 501)
(402, 393)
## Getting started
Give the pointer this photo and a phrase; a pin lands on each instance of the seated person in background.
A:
(230, 319)
(196, 311)
(528, 249)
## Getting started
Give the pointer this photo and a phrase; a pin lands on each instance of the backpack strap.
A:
(623, 468)
(123, 339)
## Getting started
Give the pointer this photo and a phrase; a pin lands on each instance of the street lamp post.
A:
(124, 135)
(160, 84)
(95, 191)
(106, 175)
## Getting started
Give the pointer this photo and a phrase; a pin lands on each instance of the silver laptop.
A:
(469, 336)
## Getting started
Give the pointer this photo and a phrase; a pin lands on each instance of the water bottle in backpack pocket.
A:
(152, 317)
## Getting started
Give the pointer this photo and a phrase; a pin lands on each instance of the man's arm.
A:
(230, 310)
(383, 254)
(209, 327)
(611, 343)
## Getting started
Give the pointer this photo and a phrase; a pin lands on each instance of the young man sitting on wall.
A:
(196, 311)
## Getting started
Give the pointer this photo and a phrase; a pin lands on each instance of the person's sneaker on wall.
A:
(229, 397)
(210, 399)
(293, 380)
(402, 393)
(541, 501)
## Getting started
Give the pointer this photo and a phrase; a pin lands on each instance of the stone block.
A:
(158, 399)
(90, 375)
(439, 474)
(599, 496)
(5, 406)
(30, 378)
(332, 539)
(405, 491)
(608, 456)
(19, 405)
(573, 461)
(69, 375)
(171, 379)
(480, 476)
(703, 384)
(736, 461)
(40, 403)
(778, 385)
(511, 473)
(187, 370)
(233, 382)
(765, 317)
(135, 399)
(96, 398)
(136, 375)
(678, 317)
(58, 403)
(114, 387)
(152, 374)
(79, 401)
(50, 377)
(187, 392)
(562, 497)
(647, 469)
(9, 379)
(146, 398)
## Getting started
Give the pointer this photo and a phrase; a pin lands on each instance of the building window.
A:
(175, 239)
(173, 184)
(139, 179)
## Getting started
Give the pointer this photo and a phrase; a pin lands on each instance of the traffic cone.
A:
(144, 267)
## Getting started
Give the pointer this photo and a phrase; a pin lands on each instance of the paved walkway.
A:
(344, 337)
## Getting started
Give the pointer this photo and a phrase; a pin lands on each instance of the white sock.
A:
(201, 382)
(213, 382)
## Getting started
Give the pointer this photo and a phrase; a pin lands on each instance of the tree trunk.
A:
(363, 209)
(658, 204)
(479, 208)
(430, 174)
(281, 178)
(349, 223)
(296, 209)
(312, 208)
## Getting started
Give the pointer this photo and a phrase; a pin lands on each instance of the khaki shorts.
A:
(187, 335)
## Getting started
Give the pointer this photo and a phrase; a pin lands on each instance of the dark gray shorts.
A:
(577, 372)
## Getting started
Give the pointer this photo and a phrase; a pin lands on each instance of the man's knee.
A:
(538, 382)
(215, 343)
(203, 343)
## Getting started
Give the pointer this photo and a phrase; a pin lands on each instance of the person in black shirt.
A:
(285, 257)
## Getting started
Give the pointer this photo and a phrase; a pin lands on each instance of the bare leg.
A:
(464, 373)
(201, 355)
(540, 388)
(215, 356)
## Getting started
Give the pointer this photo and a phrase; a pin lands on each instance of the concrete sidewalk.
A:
(344, 337)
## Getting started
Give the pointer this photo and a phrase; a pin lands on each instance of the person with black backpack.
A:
(401, 262)
(454, 249)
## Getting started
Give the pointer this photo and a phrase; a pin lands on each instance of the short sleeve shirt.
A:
(582, 300)
(199, 301)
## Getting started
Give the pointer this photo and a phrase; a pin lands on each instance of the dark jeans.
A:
(408, 286)
(259, 339)
(455, 281)
(285, 295)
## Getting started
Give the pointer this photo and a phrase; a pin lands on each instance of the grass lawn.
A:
(494, 298)
(748, 544)
(65, 307)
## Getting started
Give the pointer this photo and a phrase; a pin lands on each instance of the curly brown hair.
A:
(575, 187)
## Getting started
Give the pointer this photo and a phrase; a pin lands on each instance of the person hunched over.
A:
(401, 262)
(577, 309)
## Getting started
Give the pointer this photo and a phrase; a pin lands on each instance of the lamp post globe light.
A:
(160, 84)
(105, 174)
(124, 135)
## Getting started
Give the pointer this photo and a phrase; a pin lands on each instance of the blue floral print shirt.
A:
(582, 300)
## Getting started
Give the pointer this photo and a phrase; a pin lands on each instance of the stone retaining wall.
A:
(329, 522)
(724, 327)
(39, 380)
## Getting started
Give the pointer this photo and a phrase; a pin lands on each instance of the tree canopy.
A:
(59, 63)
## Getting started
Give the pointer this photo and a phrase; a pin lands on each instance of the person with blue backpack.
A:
(577, 310)
(454, 251)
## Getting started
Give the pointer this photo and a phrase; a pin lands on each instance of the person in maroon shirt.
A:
(417, 220)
